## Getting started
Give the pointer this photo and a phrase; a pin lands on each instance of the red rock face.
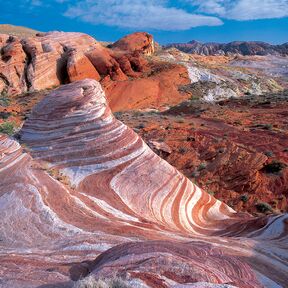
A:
(79, 67)
(48, 56)
(55, 58)
(231, 141)
(105, 187)
(139, 41)
(37, 63)
(12, 65)
(157, 90)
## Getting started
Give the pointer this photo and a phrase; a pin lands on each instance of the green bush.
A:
(263, 207)
(244, 198)
(5, 115)
(274, 167)
(7, 128)
(202, 166)
(269, 153)
(4, 100)
(182, 150)
(140, 126)
(265, 126)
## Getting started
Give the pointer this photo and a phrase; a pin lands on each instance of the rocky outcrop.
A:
(216, 78)
(236, 150)
(12, 65)
(158, 90)
(188, 264)
(86, 98)
(40, 62)
(79, 67)
(139, 41)
(236, 47)
(90, 183)
(50, 59)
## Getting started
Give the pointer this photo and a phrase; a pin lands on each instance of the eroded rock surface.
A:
(91, 183)
(54, 58)
(139, 41)
(217, 78)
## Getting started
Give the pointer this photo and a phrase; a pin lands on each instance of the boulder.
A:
(139, 41)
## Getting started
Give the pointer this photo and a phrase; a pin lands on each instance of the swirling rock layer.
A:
(93, 183)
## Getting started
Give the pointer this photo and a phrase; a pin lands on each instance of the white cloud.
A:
(243, 9)
(140, 14)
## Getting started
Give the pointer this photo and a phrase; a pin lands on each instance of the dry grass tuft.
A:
(91, 282)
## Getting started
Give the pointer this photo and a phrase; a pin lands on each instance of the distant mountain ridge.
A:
(236, 47)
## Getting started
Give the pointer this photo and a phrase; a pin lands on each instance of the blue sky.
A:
(169, 21)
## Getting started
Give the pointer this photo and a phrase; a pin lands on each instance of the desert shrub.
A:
(263, 207)
(4, 99)
(274, 167)
(274, 202)
(238, 122)
(212, 193)
(244, 198)
(5, 115)
(118, 114)
(138, 113)
(194, 174)
(182, 150)
(202, 166)
(265, 126)
(268, 126)
(269, 153)
(140, 126)
(181, 120)
(7, 128)
(190, 138)
(221, 150)
(91, 282)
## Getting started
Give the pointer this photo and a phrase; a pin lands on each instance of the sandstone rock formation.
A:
(159, 89)
(79, 67)
(139, 41)
(236, 150)
(215, 78)
(105, 187)
(51, 59)
(12, 65)
(55, 58)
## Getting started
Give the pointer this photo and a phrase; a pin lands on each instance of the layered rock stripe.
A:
(90, 183)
